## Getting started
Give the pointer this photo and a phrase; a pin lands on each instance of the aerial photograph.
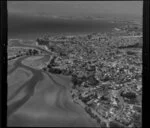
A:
(74, 64)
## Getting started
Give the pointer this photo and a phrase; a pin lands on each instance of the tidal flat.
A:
(16, 79)
(44, 100)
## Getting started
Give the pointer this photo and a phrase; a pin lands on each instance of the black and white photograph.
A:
(74, 64)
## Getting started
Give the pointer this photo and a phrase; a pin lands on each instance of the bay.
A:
(31, 27)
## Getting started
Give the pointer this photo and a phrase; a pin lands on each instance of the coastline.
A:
(83, 79)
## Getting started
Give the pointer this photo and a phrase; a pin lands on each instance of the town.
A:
(106, 70)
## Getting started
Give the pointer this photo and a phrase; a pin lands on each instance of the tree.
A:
(89, 36)
(35, 52)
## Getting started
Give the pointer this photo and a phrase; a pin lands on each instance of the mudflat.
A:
(50, 105)
(20, 75)
(43, 100)
(17, 79)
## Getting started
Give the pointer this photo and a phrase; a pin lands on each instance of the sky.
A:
(76, 8)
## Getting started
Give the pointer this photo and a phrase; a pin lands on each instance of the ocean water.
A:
(27, 27)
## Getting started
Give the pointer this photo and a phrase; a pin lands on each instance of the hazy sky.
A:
(76, 8)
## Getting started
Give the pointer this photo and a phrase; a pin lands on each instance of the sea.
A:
(31, 27)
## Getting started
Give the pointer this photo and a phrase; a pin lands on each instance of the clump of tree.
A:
(129, 95)
(52, 62)
(136, 45)
(115, 125)
(42, 41)
(55, 70)
(131, 53)
(137, 120)
(32, 52)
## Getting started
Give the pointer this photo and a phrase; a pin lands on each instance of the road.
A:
(131, 36)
